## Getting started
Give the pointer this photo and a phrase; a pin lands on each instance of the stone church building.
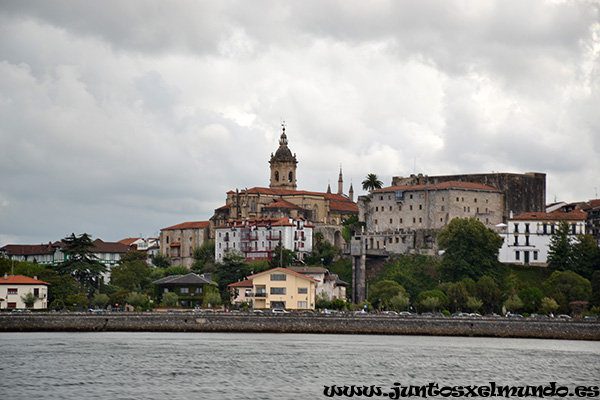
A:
(282, 199)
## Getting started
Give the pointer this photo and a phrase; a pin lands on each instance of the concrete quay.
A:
(300, 323)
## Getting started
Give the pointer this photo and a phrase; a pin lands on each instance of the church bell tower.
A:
(283, 165)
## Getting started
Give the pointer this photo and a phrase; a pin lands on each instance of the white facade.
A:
(14, 287)
(527, 236)
(258, 238)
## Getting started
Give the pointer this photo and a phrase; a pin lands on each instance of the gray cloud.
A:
(122, 118)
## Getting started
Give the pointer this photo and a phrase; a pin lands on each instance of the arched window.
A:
(277, 176)
(290, 176)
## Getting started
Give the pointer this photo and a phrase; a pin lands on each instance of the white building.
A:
(527, 236)
(14, 287)
(258, 238)
(327, 284)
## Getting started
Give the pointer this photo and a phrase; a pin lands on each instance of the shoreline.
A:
(293, 323)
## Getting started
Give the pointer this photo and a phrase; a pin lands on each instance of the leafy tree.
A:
(595, 282)
(100, 300)
(425, 302)
(170, 299)
(204, 257)
(470, 249)
(323, 251)
(457, 296)
(400, 302)
(132, 272)
(474, 304)
(586, 256)
(77, 301)
(29, 299)
(548, 305)
(136, 299)
(415, 272)
(161, 261)
(371, 182)
(532, 299)
(351, 226)
(282, 257)
(382, 292)
(81, 262)
(560, 250)
(177, 270)
(212, 298)
(487, 290)
(323, 301)
(513, 303)
(565, 287)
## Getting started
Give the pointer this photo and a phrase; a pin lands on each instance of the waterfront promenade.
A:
(573, 329)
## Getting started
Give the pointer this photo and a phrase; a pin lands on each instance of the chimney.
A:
(35, 277)
(6, 276)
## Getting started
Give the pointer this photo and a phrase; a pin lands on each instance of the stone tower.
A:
(283, 166)
(340, 182)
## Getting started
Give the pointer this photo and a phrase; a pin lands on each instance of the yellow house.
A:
(282, 288)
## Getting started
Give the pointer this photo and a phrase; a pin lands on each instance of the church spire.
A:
(340, 182)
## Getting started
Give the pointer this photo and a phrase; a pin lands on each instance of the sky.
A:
(119, 118)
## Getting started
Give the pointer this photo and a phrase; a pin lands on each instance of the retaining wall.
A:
(294, 323)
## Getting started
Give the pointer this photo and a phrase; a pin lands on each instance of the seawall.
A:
(295, 323)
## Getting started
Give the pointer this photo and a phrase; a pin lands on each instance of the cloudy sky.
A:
(122, 118)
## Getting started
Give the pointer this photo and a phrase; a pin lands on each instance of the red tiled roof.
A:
(128, 241)
(20, 280)
(280, 203)
(588, 205)
(189, 225)
(575, 215)
(441, 185)
(343, 205)
(240, 223)
(245, 283)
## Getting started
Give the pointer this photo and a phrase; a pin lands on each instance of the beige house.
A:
(178, 242)
(281, 288)
(14, 287)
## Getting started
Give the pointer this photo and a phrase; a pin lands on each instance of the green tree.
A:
(160, 261)
(586, 256)
(170, 299)
(400, 302)
(470, 249)
(132, 272)
(548, 305)
(371, 182)
(565, 287)
(78, 301)
(560, 250)
(532, 299)
(487, 290)
(425, 302)
(282, 257)
(100, 300)
(29, 299)
(324, 253)
(382, 292)
(474, 304)
(81, 262)
(204, 257)
(177, 270)
(352, 226)
(415, 272)
(457, 296)
(212, 298)
(136, 299)
(513, 303)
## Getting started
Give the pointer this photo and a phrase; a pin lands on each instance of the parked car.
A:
(279, 311)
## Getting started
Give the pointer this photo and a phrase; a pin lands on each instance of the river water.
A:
(120, 365)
